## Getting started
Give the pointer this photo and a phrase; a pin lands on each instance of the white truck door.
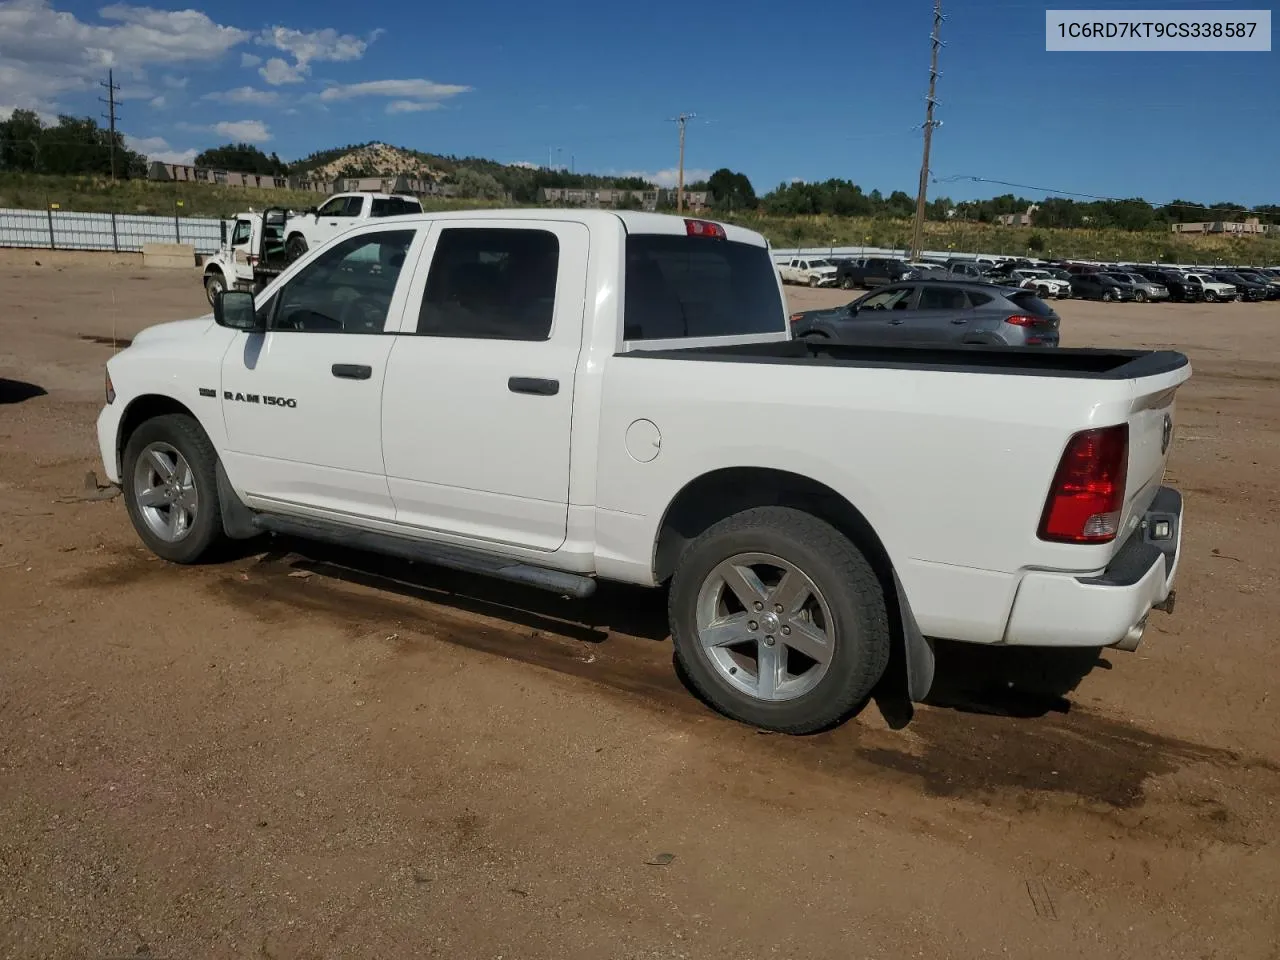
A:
(334, 217)
(479, 396)
(302, 401)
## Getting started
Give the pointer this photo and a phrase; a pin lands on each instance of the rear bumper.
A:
(1111, 607)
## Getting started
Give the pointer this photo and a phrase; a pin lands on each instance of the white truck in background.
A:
(560, 397)
(340, 212)
(811, 271)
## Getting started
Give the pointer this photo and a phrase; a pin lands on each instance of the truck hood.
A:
(176, 330)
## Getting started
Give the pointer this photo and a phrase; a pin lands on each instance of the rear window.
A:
(680, 287)
(1031, 304)
(394, 207)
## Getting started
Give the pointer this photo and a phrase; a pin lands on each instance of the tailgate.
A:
(1151, 423)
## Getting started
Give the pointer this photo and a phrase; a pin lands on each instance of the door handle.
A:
(534, 385)
(352, 371)
(959, 320)
(896, 321)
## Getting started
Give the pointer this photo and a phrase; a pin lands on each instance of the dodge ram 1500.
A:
(557, 398)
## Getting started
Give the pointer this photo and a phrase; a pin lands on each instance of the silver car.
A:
(936, 313)
(1143, 289)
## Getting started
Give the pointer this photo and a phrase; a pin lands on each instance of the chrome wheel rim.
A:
(765, 627)
(164, 491)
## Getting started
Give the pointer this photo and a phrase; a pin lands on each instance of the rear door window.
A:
(942, 298)
(394, 207)
(683, 287)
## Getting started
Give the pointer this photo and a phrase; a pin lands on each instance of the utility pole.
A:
(110, 115)
(681, 121)
(917, 234)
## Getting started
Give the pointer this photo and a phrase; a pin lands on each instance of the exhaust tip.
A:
(1129, 642)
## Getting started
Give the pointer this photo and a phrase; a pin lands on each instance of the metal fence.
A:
(118, 232)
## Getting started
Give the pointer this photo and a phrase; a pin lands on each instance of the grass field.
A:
(96, 195)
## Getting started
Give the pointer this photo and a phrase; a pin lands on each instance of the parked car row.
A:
(1118, 283)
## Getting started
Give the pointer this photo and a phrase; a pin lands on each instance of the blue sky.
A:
(780, 92)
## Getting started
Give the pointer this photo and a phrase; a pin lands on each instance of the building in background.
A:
(612, 197)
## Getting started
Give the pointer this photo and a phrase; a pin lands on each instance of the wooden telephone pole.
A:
(917, 233)
(681, 121)
(110, 115)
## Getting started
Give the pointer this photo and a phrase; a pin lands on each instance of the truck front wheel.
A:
(214, 284)
(295, 247)
(779, 620)
(171, 488)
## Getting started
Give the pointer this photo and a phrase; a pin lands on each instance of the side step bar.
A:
(455, 558)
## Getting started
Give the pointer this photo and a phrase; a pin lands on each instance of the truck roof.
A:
(632, 221)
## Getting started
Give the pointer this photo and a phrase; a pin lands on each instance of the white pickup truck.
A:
(341, 212)
(813, 271)
(560, 398)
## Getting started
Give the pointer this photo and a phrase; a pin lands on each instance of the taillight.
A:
(797, 317)
(1022, 320)
(1087, 495)
(111, 388)
(704, 228)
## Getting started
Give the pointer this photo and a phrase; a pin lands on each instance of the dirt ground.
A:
(305, 753)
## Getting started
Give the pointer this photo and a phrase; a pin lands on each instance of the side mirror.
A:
(235, 310)
(853, 307)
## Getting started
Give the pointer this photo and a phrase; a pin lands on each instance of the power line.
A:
(917, 231)
(110, 115)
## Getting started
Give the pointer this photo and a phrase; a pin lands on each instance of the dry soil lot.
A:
(368, 761)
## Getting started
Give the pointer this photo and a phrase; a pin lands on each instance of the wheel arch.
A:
(146, 407)
(721, 493)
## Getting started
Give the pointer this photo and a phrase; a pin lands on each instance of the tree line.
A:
(78, 145)
(843, 198)
(71, 145)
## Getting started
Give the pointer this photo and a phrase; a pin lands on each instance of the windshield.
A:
(813, 264)
(1036, 274)
(698, 287)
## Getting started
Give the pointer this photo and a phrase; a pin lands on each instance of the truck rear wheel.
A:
(778, 620)
(171, 488)
(295, 247)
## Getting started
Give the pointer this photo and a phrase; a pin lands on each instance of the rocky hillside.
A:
(372, 158)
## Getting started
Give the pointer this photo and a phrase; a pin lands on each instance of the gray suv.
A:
(936, 313)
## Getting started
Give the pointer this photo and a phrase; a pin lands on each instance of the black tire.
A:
(1140, 296)
(1107, 296)
(295, 247)
(813, 281)
(214, 283)
(1211, 296)
(839, 570)
(846, 283)
(188, 438)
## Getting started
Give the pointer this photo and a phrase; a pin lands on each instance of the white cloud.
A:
(412, 106)
(249, 59)
(45, 53)
(668, 177)
(305, 47)
(243, 95)
(525, 164)
(315, 45)
(157, 103)
(404, 89)
(157, 148)
(249, 131)
(173, 82)
(277, 72)
(6, 111)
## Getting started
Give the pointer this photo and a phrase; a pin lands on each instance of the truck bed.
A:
(1076, 362)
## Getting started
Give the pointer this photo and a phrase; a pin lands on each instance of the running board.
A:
(442, 555)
